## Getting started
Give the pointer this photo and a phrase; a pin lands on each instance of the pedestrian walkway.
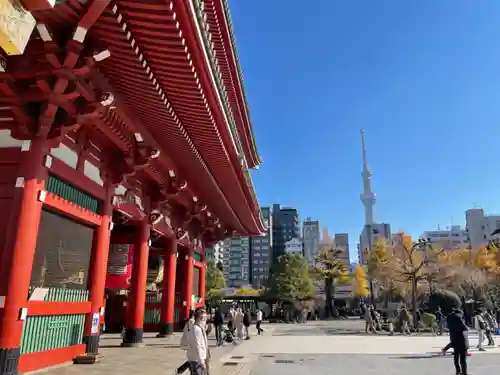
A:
(158, 356)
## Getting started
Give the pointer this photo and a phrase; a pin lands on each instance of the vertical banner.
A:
(119, 266)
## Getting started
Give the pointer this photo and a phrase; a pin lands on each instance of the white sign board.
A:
(95, 323)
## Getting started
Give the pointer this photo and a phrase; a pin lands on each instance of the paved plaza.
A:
(315, 348)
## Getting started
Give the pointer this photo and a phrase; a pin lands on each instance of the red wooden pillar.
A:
(168, 294)
(203, 278)
(97, 274)
(137, 296)
(21, 245)
(187, 291)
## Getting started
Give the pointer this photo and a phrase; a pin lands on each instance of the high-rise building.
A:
(236, 261)
(247, 259)
(215, 253)
(311, 239)
(286, 225)
(341, 241)
(480, 227)
(261, 252)
(369, 235)
(294, 246)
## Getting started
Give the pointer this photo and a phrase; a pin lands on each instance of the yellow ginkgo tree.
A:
(360, 279)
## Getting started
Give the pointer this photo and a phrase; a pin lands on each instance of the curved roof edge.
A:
(254, 158)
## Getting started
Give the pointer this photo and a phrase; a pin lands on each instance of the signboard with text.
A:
(119, 266)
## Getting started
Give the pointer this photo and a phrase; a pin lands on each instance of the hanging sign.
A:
(95, 324)
(119, 266)
(16, 26)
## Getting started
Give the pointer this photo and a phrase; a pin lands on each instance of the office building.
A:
(294, 246)
(480, 227)
(285, 226)
(341, 241)
(236, 261)
(371, 234)
(215, 253)
(261, 252)
(450, 239)
(311, 238)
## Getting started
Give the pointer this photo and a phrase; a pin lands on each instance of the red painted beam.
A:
(35, 361)
(34, 5)
(70, 209)
(39, 308)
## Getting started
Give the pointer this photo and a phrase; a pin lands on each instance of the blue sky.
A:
(421, 77)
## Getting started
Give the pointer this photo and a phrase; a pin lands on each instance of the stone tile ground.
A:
(327, 364)
(159, 356)
(314, 348)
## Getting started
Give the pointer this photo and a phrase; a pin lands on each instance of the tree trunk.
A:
(414, 301)
(329, 298)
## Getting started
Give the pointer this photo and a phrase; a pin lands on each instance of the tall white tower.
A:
(367, 197)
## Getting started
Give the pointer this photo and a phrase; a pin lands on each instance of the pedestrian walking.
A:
(490, 327)
(218, 323)
(247, 321)
(404, 318)
(480, 326)
(197, 352)
(188, 325)
(440, 321)
(459, 341)
(259, 322)
(369, 320)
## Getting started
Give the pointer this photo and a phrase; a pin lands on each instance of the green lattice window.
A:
(66, 191)
(197, 257)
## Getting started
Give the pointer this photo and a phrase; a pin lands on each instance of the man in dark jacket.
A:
(459, 341)
(218, 322)
(247, 320)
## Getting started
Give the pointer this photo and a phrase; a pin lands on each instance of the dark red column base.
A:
(91, 344)
(9, 361)
(133, 337)
(166, 329)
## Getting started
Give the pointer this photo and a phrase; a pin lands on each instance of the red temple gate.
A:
(120, 122)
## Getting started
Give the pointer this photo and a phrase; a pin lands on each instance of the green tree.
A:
(214, 284)
(289, 279)
(331, 270)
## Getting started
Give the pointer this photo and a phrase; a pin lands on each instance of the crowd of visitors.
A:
(197, 328)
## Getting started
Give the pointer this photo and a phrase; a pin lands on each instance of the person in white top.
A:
(238, 322)
(197, 345)
(259, 322)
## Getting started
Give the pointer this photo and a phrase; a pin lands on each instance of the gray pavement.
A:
(319, 348)
(314, 348)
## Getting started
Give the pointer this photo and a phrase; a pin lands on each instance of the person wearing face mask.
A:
(197, 353)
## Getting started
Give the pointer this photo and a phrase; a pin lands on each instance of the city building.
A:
(125, 136)
(215, 253)
(311, 237)
(453, 238)
(236, 261)
(369, 235)
(286, 225)
(294, 246)
(480, 227)
(246, 260)
(341, 241)
(261, 252)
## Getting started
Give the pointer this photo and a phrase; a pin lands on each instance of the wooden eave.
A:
(196, 147)
(221, 37)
